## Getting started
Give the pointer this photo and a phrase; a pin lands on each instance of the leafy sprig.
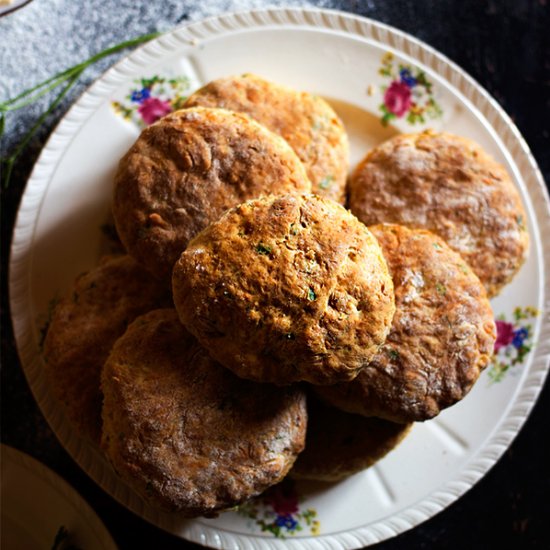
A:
(63, 81)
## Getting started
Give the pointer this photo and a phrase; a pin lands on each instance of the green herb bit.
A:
(311, 296)
(263, 249)
(293, 229)
(393, 354)
(437, 246)
(441, 288)
(325, 183)
(521, 223)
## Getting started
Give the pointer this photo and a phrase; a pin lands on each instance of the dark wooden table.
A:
(504, 45)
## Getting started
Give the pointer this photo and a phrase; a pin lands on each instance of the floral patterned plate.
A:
(381, 82)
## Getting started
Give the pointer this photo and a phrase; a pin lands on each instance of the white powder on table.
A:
(48, 36)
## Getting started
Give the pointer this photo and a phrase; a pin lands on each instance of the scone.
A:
(284, 289)
(306, 121)
(84, 327)
(448, 185)
(183, 431)
(442, 335)
(185, 170)
(339, 444)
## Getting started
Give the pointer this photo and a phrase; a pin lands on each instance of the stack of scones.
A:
(271, 314)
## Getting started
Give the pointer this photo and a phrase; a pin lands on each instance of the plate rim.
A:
(63, 488)
(321, 20)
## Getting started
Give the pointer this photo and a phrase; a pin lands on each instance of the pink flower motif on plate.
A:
(152, 108)
(513, 342)
(409, 93)
(505, 334)
(278, 512)
(398, 98)
(151, 98)
(282, 500)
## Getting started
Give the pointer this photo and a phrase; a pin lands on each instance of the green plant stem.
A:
(67, 73)
(28, 136)
(56, 80)
(27, 97)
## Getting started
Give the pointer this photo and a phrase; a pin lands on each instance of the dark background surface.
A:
(505, 46)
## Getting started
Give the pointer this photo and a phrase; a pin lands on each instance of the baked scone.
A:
(339, 444)
(283, 289)
(449, 185)
(442, 335)
(84, 327)
(306, 121)
(183, 431)
(185, 170)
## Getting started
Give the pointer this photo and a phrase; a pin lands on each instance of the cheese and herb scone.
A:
(442, 335)
(340, 444)
(286, 289)
(185, 170)
(184, 432)
(85, 325)
(450, 186)
(306, 121)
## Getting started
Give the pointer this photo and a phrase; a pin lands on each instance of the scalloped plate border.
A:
(361, 28)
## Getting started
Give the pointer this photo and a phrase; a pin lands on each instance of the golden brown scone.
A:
(186, 433)
(185, 170)
(306, 121)
(442, 334)
(83, 328)
(339, 444)
(449, 185)
(283, 289)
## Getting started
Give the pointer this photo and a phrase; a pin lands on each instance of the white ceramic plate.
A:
(339, 57)
(36, 503)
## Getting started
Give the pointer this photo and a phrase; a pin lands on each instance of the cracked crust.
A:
(448, 185)
(83, 329)
(339, 444)
(284, 289)
(307, 122)
(185, 170)
(186, 433)
(442, 334)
